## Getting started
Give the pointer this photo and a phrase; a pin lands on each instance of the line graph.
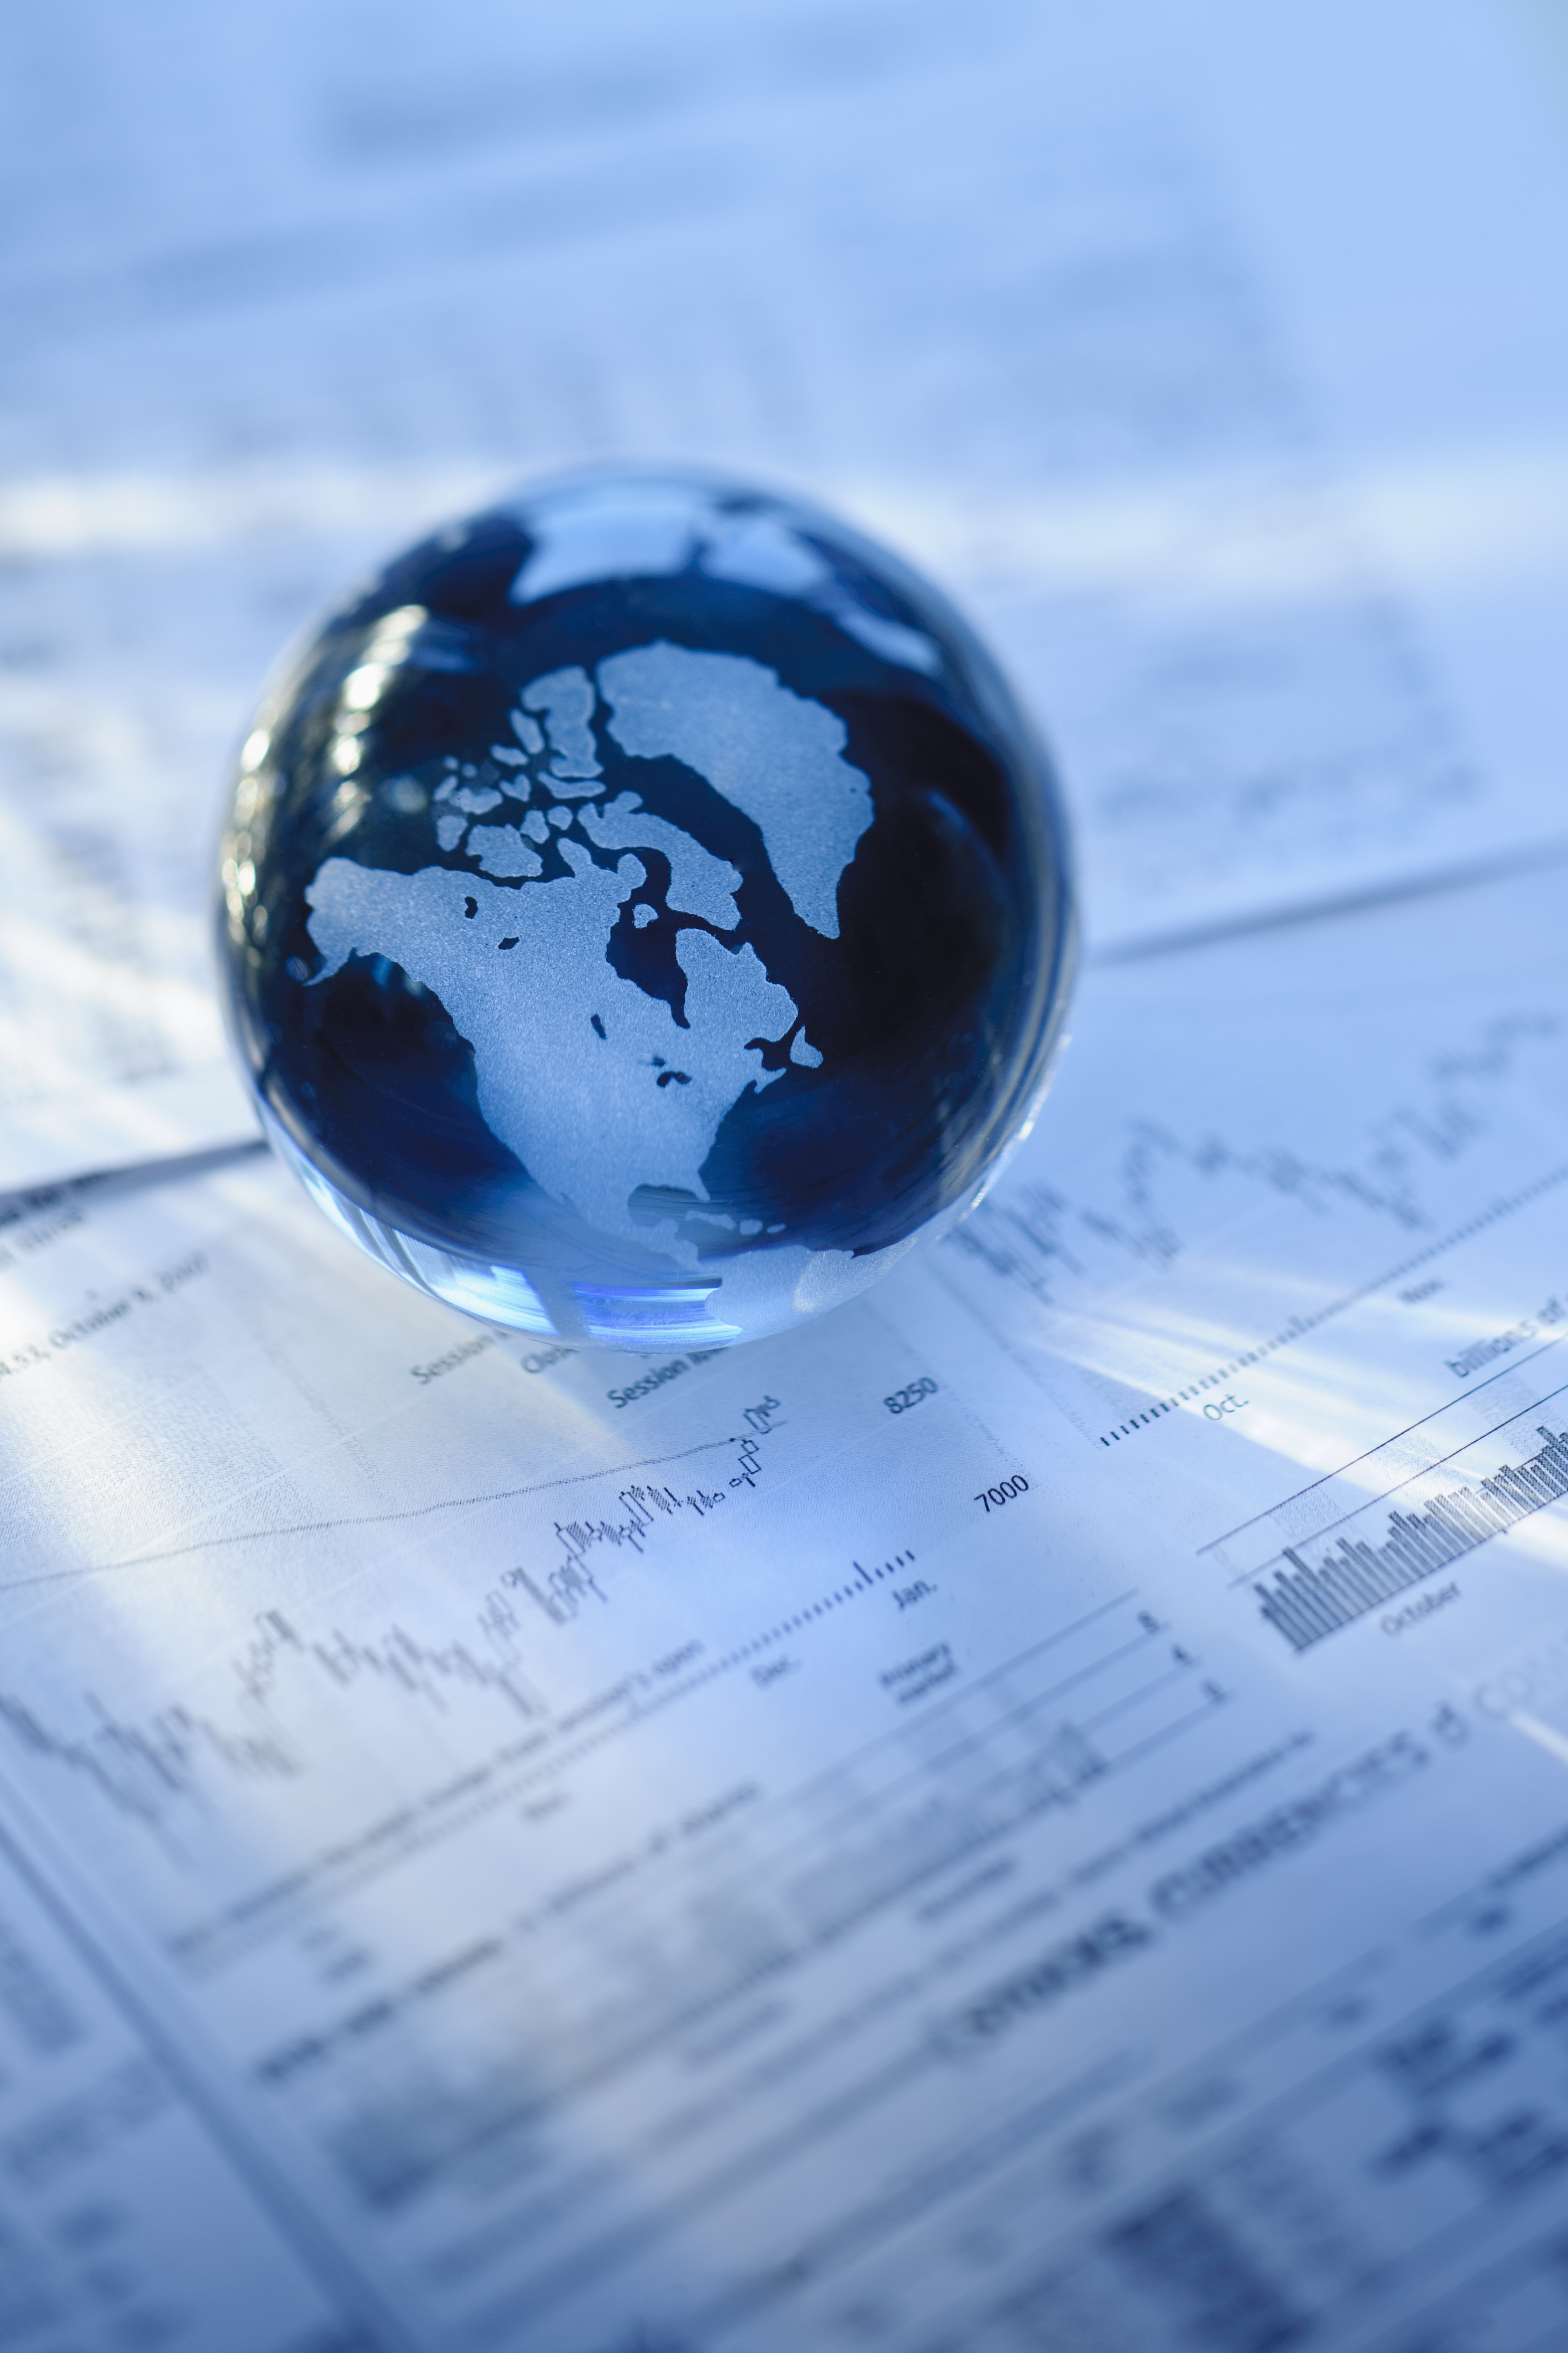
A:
(560, 1591)
(1051, 1243)
(145, 1768)
(1195, 1259)
(280, 1709)
(263, 1532)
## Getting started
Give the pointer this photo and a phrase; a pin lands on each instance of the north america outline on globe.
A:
(589, 1080)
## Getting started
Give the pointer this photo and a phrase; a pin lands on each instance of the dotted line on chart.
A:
(1299, 1325)
(865, 1580)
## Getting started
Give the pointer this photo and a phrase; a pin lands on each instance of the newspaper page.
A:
(1030, 1812)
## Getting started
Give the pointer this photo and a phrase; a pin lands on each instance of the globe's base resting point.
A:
(671, 1316)
(645, 913)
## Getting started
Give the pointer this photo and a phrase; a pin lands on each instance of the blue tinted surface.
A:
(644, 910)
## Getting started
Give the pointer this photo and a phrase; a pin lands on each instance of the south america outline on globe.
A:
(594, 1086)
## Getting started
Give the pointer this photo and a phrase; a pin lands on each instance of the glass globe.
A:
(645, 910)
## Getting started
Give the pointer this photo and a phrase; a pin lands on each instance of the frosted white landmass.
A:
(729, 987)
(649, 529)
(592, 1083)
(770, 1289)
(830, 1277)
(503, 852)
(477, 800)
(566, 699)
(629, 529)
(777, 756)
(764, 552)
(700, 883)
(910, 649)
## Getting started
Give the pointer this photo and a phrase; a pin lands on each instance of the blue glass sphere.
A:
(646, 909)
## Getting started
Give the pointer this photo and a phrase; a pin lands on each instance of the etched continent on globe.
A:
(588, 1079)
(644, 913)
(774, 755)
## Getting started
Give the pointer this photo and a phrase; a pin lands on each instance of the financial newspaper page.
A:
(1237, 428)
(1030, 1814)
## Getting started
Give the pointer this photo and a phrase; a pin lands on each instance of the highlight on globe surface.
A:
(646, 911)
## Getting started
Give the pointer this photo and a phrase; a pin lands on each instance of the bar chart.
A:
(1405, 1515)
(1325, 1586)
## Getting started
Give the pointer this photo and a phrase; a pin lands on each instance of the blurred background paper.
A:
(1213, 360)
